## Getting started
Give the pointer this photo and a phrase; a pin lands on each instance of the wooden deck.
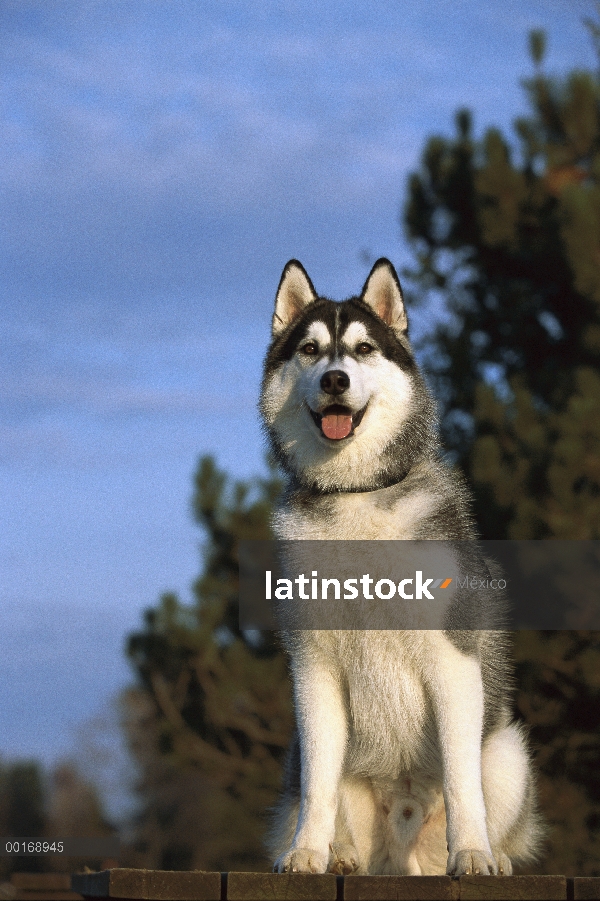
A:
(162, 885)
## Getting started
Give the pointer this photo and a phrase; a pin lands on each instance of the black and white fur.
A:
(406, 759)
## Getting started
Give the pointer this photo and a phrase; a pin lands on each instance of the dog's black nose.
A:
(335, 382)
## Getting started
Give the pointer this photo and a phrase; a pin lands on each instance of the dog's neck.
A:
(297, 488)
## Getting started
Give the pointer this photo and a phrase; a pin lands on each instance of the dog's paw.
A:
(471, 863)
(301, 860)
(504, 864)
(343, 859)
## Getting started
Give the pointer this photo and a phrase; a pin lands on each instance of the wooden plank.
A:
(184, 886)
(400, 888)
(513, 888)
(586, 888)
(162, 885)
(42, 881)
(25, 895)
(149, 885)
(281, 887)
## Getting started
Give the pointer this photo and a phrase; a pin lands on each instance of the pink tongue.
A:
(336, 425)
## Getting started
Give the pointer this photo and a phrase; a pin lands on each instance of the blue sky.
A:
(160, 163)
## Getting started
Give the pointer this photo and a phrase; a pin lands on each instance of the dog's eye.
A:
(310, 349)
(364, 348)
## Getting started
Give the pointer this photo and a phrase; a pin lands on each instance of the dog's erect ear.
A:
(295, 292)
(382, 292)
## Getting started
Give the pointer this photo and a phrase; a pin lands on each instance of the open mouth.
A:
(337, 422)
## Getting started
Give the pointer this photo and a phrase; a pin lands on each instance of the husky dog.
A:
(405, 758)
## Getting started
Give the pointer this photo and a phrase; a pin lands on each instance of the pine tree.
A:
(32, 805)
(507, 233)
(559, 699)
(211, 719)
(74, 808)
(22, 811)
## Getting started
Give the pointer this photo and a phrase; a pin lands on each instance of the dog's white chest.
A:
(387, 704)
(386, 707)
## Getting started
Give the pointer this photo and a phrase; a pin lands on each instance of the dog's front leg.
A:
(457, 692)
(322, 727)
